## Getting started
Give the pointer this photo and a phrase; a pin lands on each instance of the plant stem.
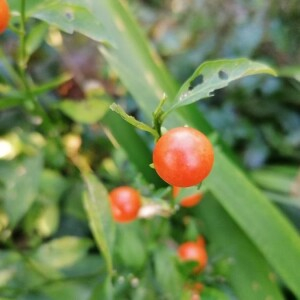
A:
(31, 102)
(23, 60)
(158, 116)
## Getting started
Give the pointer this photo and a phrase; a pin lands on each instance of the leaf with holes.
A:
(70, 16)
(213, 75)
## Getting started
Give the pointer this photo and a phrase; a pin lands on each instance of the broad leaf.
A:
(98, 211)
(21, 181)
(131, 246)
(213, 75)
(62, 252)
(88, 111)
(167, 274)
(69, 16)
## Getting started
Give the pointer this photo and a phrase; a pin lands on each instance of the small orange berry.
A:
(125, 203)
(188, 201)
(192, 251)
(4, 15)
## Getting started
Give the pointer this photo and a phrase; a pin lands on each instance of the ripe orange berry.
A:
(183, 157)
(188, 201)
(4, 15)
(201, 241)
(125, 203)
(193, 251)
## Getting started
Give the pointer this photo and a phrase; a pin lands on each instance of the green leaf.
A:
(234, 257)
(290, 71)
(167, 274)
(103, 290)
(53, 184)
(277, 179)
(97, 207)
(214, 294)
(62, 252)
(130, 246)
(21, 181)
(89, 265)
(146, 78)
(70, 16)
(68, 290)
(258, 218)
(131, 120)
(142, 158)
(35, 38)
(213, 75)
(89, 111)
(8, 102)
(48, 86)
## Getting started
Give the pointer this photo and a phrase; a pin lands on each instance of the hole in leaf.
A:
(223, 75)
(198, 80)
(69, 15)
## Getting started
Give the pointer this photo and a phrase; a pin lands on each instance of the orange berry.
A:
(125, 203)
(4, 15)
(188, 201)
(183, 157)
(192, 251)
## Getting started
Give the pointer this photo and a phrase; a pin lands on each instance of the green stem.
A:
(31, 102)
(158, 116)
(23, 60)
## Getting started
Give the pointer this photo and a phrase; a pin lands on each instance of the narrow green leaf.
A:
(133, 121)
(21, 181)
(48, 86)
(290, 71)
(258, 218)
(141, 158)
(97, 207)
(276, 179)
(213, 75)
(35, 38)
(9, 102)
(234, 257)
(88, 111)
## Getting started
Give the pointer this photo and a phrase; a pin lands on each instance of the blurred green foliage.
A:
(52, 222)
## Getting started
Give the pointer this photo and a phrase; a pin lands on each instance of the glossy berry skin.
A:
(4, 15)
(183, 157)
(193, 251)
(125, 203)
(189, 201)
